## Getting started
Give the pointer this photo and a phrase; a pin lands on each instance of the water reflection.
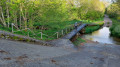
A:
(102, 36)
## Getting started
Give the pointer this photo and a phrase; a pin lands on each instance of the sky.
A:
(106, 0)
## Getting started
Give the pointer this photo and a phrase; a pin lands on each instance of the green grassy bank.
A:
(115, 28)
(78, 41)
(90, 29)
(48, 30)
(51, 28)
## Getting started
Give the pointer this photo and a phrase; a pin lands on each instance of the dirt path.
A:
(107, 21)
(18, 54)
(13, 52)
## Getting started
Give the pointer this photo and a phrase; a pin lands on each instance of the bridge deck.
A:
(74, 32)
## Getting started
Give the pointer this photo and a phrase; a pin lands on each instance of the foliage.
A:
(91, 9)
(115, 29)
(25, 13)
(114, 12)
(48, 15)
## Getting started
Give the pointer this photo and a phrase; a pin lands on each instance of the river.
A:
(103, 36)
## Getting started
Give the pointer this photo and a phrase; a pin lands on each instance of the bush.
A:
(115, 28)
(118, 18)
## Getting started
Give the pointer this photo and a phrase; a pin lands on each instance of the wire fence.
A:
(41, 35)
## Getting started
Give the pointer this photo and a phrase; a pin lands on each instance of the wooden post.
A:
(62, 32)
(41, 36)
(57, 35)
(28, 34)
(12, 27)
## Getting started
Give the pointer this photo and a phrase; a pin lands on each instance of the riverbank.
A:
(89, 29)
(82, 41)
(98, 35)
(102, 36)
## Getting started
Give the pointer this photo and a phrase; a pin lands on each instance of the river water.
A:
(103, 36)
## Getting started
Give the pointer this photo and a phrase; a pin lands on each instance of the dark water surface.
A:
(102, 36)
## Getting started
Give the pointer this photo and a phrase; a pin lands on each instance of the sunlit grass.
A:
(78, 41)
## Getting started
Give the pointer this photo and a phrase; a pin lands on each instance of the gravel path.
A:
(11, 52)
(18, 54)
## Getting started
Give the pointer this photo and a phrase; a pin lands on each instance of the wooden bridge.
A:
(74, 32)
(66, 40)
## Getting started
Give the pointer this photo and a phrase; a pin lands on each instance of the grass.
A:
(78, 41)
(51, 28)
(91, 29)
(98, 21)
(5, 28)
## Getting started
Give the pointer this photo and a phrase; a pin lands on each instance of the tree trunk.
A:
(2, 18)
(15, 20)
(24, 16)
(25, 19)
(20, 20)
(8, 17)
